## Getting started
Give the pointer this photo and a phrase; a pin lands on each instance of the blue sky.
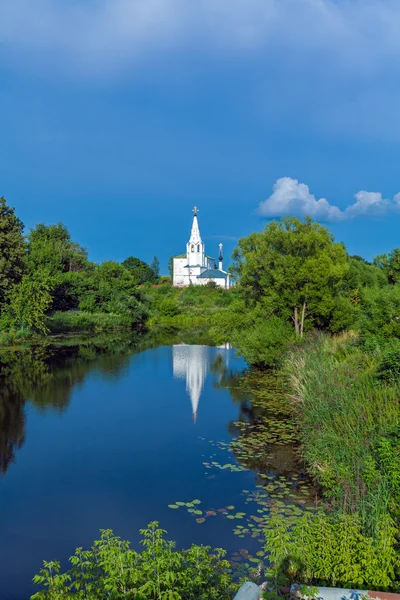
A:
(117, 116)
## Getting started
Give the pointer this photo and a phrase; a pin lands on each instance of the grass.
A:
(194, 305)
(10, 338)
(346, 417)
(60, 322)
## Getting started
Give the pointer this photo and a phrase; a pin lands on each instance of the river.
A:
(111, 433)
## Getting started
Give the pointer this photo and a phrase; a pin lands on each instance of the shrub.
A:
(389, 366)
(110, 569)
(168, 308)
(381, 312)
(332, 550)
(263, 343)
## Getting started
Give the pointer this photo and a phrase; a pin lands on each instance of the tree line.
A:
(293, 277)
(46, 271)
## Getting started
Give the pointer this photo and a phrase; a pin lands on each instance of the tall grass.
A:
(60, 322)
(345, 416)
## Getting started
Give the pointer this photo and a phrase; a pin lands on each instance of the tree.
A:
(32, 313)
(139, 269)
(155, 267)
(294, 269)
(51, 248)
(52, 251)
(390, 264)
(12, 250)
(171, 267)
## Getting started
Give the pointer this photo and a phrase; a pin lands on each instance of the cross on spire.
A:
(195, 211)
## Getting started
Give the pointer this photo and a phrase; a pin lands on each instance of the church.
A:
(195, 267)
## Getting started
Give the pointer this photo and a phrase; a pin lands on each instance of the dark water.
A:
(106, 436)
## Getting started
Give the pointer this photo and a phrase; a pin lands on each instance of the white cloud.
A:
(289, 197)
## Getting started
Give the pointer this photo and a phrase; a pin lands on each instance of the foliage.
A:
(381, 312)
(30, 302)
(112, 288)
(332, 550)
(77, 320)
(51, 249)
(12, 250)
(344, 417)
(389, 366)
(362, 274)
(264, 342)
(390, 265)
(168, 308)
(155, 267)
(110, 569)
(140, 270)
(188, 305)
(294, 269)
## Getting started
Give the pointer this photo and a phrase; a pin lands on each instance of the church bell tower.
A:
(195, 246)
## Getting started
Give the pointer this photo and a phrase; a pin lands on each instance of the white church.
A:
(195, 267)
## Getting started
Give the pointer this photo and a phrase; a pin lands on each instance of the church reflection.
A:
(192, 364)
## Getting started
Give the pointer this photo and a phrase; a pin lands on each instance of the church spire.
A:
(195, 237)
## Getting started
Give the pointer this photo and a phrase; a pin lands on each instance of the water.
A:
(96, 437)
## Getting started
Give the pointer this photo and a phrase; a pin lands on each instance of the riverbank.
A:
(344, 400)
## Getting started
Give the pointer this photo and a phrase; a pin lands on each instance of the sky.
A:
(118, 116)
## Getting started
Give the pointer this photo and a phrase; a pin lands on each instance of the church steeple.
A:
(195, 237)
(220, 258)
(195, 246)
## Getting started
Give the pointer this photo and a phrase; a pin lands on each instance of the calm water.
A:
(96, 437)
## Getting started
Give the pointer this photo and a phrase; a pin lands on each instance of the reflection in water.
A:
(45, 374)
(12, 428)
(191, 363)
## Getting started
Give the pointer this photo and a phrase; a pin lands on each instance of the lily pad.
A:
(172, 506)
(201, 520)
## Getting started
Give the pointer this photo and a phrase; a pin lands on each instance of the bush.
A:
(389, 366)
(110, 569)
(332, 550)
(168, 308)
(263, 343)
(381, 312)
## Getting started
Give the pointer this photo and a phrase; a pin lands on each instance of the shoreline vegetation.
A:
(328, 324)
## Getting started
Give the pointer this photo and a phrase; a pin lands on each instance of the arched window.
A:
(198, 248)
(192, 248)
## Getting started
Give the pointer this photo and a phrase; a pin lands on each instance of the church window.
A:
(192, 248)
(198, 248)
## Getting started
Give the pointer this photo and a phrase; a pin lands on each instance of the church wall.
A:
(180, 273)
(218, 281)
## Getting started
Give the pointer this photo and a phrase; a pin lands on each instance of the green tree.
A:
(155, 267)
(171, 266)
(30, 302)
(12, 250)
(51, 248)
(139, 269)
(381, 312)
(294, 269)
(390, 265)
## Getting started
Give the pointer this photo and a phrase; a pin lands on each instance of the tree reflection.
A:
(12, 427)
(45, 375)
